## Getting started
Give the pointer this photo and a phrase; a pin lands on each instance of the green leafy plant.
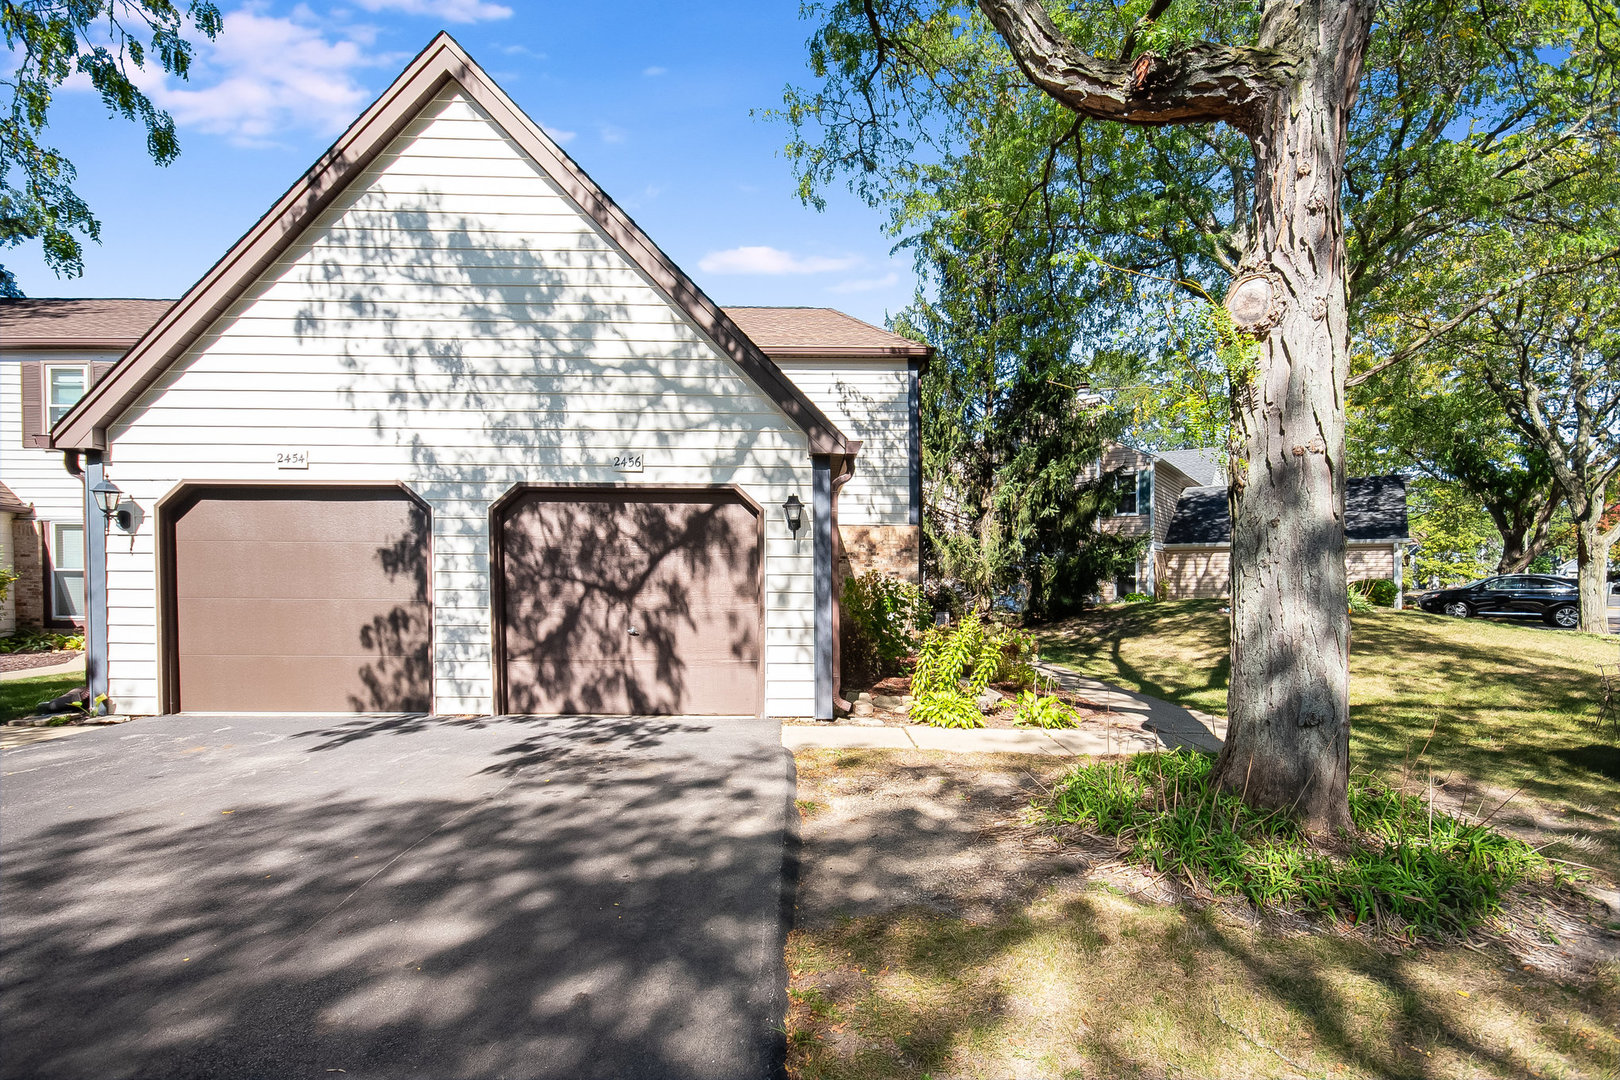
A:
(35, 641)
(1380, 592)
(880, 618)
(1042, 711)
(942, 686)
(1016, 663)
(1405, 866)
(7, 577)
(1358, 600)
(1136, 598)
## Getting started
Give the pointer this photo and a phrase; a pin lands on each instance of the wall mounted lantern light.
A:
(109, 497)
(793, 510)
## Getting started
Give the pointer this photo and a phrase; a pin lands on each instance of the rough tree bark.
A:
(1526, 529)
(1291, 94)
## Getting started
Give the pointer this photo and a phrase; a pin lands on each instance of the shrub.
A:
(1358, 600)
(946, 656)
(1378, 592)
(7, 577)
(1016, 664)
(1436, 873)
(1034, 710)
(1136, 598)
(33, 641)
(879, 616)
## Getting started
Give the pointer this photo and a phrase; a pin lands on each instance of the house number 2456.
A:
(627, 462)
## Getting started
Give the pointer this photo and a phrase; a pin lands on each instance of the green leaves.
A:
(107, 41)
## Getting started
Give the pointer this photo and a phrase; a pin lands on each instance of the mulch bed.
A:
(24, 661)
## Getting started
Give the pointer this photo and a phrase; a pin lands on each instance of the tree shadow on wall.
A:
(400, 679)
(614, 604)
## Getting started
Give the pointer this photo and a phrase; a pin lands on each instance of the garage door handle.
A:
(634, 632)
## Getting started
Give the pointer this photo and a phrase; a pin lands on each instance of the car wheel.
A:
(1568, 617)
(1456, 609)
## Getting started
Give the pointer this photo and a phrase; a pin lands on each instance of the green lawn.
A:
(1511, 707)
(19, 696)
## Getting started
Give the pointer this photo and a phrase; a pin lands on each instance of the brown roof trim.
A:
(30, 344)
(869, 352)
(85, 426)
(10, 504)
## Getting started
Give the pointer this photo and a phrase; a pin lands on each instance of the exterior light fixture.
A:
(110, 499)
(793, 510)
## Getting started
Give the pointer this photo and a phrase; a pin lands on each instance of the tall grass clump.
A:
(1403, 866)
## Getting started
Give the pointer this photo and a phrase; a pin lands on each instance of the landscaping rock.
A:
(861, 708)
(72, 701)
(988, 700)
(889, 701)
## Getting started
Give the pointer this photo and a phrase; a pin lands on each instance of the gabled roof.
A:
(1374, 509)
(10, 504)
(1202, 466)
(73, 323)
(442, 62)
(818, 331)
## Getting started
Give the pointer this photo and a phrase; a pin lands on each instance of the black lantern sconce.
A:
(793, 511)
(110, 499)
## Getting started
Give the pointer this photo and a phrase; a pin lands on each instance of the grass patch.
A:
(18, 697)
(1404, 868)
(1098, 984)
(1510, 707)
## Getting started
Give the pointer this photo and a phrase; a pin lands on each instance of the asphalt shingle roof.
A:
(41, 320)
(1374, 509)
(1204, 465)
(779, 329)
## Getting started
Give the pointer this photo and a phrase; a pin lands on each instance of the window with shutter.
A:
(33, 407)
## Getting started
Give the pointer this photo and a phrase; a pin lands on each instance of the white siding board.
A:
(460, 327)
(869, 400)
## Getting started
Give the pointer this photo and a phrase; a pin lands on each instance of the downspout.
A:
(95, 577)
(821, 553)
(846, 470)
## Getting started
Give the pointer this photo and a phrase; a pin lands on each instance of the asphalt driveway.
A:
(231, 897)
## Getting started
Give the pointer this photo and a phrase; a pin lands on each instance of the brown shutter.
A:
(98, 371)
(33, 404)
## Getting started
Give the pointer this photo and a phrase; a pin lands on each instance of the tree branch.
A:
(1200, 84)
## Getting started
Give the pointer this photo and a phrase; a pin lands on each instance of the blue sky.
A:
(654, 101)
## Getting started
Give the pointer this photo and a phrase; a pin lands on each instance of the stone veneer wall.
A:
(29, 589)
(895, 550)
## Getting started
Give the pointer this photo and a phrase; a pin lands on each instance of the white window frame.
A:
(45, 391)
(55, 535)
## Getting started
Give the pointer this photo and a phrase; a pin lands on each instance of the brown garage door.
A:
(306, 600)
(621, 603)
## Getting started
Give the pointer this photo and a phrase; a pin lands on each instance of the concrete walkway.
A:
(66, 667)
(1141, 723)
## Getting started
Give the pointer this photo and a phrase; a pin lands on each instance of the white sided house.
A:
(446, 432)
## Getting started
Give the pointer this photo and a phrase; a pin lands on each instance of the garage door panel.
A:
(282, 684)
(632, 604)
(348, 570)
(301, 627)
(303, 602)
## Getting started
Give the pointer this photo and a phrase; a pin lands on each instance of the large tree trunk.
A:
(1592, 544)
(1288, 700)
(1526, 529)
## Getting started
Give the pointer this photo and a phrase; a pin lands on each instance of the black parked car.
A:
(1552, 599)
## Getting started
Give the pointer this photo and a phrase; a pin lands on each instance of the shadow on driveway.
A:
(522, 897)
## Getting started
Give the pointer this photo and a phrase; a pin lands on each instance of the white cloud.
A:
(769, 260)
(558, 135)
(522, 50)
(456, 11)
(613, 134)
(265, 75)
(866, 284)
(654, 72)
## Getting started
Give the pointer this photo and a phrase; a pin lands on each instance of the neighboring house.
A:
(1154, 482)
(51, 353)
(1197, 550)
(11, 509)
(446, 431)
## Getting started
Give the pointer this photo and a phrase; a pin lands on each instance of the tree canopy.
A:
(108, 42)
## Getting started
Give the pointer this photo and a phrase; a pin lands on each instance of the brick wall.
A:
(894, 550)
(29, 591)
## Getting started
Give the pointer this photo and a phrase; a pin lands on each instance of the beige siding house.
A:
(446, 432)
(1156, 481)
(51, 353)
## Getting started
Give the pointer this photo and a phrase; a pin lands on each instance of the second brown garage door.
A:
(298, 600)
(630, 603)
